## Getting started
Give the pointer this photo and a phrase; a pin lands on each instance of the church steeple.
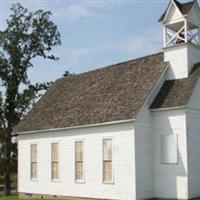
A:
(181, 36)
(181, 23)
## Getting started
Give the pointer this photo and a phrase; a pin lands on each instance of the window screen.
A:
(33, 161)
(79, 161)
(54, 161)
(107, 160)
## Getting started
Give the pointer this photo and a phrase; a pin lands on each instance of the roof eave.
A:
(74, 127)
(161, 19)
(167, 108)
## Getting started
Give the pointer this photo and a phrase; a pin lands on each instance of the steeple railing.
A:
(182, 35)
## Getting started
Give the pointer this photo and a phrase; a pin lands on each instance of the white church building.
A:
(124, 132)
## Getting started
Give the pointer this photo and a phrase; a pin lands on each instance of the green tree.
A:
(67, 73)
(28, 35)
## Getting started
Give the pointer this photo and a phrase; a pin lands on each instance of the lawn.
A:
(13, 197)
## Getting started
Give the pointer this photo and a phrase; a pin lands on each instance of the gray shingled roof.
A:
(183, 7)
(177, 92)
(109, 94)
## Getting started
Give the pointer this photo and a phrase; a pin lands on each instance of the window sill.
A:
(80, 181)
(55, 180)
(108, 182)
(34, 179)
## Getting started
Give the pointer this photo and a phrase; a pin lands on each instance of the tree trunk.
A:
(7, 183)
(7, 176)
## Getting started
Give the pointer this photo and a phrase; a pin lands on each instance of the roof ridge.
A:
(112, 65)
(178, 4)
(192, 1)
(184, 8)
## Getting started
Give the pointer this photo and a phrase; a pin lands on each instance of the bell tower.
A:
(181, 37)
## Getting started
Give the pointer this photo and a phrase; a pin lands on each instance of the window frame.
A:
(37, 163)
(54, 179)
(102, 164)
(82, 181)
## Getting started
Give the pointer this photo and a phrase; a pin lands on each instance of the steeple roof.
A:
(183, 7)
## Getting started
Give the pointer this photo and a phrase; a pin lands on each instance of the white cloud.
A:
(63, 11)
(68, 11)
(148, 42)
(130, 47)
(75, 55)
(71, 12)
(76, 11)
(134, 45)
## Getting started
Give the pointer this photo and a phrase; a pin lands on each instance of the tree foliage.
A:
(67, 73)
(28, 35)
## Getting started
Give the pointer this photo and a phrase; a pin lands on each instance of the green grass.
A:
(9, 198)
(13, 197)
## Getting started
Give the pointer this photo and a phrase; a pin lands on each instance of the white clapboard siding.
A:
(123, 186)
(193, 142)
(170, 180)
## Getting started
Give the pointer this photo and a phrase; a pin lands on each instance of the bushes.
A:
(13, 179)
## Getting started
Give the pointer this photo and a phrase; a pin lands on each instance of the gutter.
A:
(169, 108)
(73, 127)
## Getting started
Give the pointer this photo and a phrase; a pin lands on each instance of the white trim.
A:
(193, 91)
(175, 21)
(185, 30)
(164, 36)
(169, 7)
(102, 153)
(182, 44)
(169, 108)
(75, 127)
(152, 90)
(176, 45)
(193, 109)
(82, 181)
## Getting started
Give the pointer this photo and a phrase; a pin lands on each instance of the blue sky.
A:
(96, 33)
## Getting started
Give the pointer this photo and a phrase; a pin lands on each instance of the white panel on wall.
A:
(169, 149)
